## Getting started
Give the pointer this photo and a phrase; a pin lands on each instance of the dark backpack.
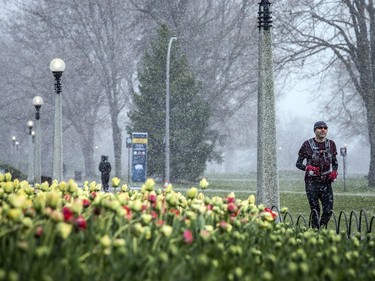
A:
(327, 155)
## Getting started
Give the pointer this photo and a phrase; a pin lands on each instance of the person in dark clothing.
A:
(105, 169)
(320, 171)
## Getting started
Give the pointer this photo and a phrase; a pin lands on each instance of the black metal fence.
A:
(353, 224)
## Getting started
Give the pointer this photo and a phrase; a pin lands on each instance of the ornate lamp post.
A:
(30, 174)
(37, 102)
(57, 67)
(167, 133)
(267, 174)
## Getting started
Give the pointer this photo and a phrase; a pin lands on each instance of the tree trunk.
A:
(117, 144)
(371, 131)
(88, 155)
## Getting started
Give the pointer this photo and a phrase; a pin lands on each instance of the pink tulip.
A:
(188, 236)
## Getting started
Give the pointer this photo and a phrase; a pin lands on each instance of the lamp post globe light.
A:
(30, 174)
(57, 67)
(37, 102)
(167, 129)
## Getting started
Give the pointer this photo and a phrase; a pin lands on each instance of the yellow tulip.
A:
(137, 229)
(8, 177)
(149, 184)
(62, 186)
(168, 188)
(124, 188)
(135, 205)
(119, 242)
(166, 230)
(52, 199)
(105, 241)
(72, 186)
(115, 182)
(77, 206)
(192, 193)
(203, 183)
(8, 187)
(64, 229)
(284, 210)
(16, 183)
(146, 218)
(56, 216)
(251, 199)
(17, 201)
(15, 215)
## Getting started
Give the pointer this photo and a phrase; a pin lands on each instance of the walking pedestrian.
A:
(320, 171)
(105, 169)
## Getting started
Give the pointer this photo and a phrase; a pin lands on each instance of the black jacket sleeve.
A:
(299, 163)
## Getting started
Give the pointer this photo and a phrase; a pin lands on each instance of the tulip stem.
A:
(156, 243)
(135, 248)
(121, 229)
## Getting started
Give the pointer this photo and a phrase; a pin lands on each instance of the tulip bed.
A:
(66, 232)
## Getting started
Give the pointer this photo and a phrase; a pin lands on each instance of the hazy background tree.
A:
(102, 42)
(220, 41)
(191, 139)
(96, 36)
(336, 39)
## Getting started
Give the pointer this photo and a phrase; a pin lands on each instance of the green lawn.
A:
(351, 195)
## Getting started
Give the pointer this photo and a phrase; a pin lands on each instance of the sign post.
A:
(129, 146)
(139, 157)
(343, 152)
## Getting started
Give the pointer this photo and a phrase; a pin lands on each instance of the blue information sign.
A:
(139, 157)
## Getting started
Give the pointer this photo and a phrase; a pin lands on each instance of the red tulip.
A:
(39, 232)
(68, 214)
(80, 223)
(86, 202)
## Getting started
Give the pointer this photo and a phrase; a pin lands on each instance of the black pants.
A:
(320, 191)
(105, 180)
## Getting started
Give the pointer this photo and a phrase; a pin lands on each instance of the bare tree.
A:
(220, 39)
(29, 53)
(100, 34)
(339, 36)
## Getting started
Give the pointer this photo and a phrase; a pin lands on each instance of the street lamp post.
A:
(167, 133)
(13, 145)
(16, 156)
(267, 171)
(57, 67)
(37, 102)
(30, 174)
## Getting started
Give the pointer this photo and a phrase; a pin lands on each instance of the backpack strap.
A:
(312, 145)
(328, 145)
